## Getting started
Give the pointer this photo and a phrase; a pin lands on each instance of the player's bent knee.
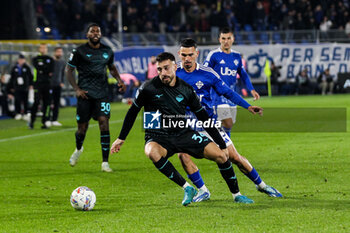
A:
(221, 158)
(154, 151)
(184, 157)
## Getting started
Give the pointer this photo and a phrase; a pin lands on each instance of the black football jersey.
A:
(171, 102)
(92, 68)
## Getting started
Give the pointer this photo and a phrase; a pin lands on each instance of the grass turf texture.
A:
(311, 170)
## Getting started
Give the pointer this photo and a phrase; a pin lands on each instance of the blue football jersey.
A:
(227, 66)
(204, 80)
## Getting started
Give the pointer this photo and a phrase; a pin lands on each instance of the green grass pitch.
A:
(311, 170)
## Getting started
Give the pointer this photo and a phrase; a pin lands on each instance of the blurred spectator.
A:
(303, 82)
(61, 12)
(259, 16)
(20, 82)
(3, 97)
(190, 15)
(131, 82)
(347, 28)
(57, 83)
(152, 68)
(326, 82)
(325, 26)
(275, 76)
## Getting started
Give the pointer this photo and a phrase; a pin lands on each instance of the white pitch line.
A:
(50, 132)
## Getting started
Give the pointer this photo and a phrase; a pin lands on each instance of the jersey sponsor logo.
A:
(158, 96)
(105, 55)
(179, 98)
(88, 55)
(222, 61)
(151, 120)
(227, 71)
(199, 84)
(48, 60)
(236, 62)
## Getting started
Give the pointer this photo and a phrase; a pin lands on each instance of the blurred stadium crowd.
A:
(68, 18)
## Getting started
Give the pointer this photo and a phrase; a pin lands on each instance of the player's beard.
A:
(188, 65)
(94, 42)
(168, 81)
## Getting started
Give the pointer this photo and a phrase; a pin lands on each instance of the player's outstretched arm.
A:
(255, 110)
(129, 120)
(117, 144)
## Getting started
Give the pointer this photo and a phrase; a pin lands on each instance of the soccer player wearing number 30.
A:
(91, 60)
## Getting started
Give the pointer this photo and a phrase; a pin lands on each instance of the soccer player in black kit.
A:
(91, 60)
(169, 95)
(43, 70)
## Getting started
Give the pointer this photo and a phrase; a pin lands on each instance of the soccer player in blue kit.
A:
(205, 80)
(228, 63)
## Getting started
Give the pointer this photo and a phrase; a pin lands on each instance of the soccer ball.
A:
(83, 198)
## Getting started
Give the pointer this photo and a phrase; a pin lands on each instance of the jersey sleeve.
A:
(222, 89)
(111, 58)
(73, 58)
(209, 61)
(140, 96)
(244, 76)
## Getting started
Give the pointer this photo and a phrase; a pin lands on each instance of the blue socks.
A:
(196, 179)
(228, 131)
(254, 176)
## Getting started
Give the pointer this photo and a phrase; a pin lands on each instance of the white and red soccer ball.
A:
(83, 198)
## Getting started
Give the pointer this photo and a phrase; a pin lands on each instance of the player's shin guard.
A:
(79, 139)
(254, 176)
(165, 167)
(196, 179)
(105, 141)
(228, 131)
(229, 175)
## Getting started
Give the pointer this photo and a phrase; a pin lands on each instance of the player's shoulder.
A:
(150, 84)
(213, 53)
(235, 52)
(208, 71)
(104, 46)
(81, 47)
(183, 83)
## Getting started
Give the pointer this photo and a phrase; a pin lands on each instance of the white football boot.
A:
(75, 156)
(105, 167)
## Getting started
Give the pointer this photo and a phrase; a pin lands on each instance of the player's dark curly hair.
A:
(91, 25)
(188, 43)
(165, 56)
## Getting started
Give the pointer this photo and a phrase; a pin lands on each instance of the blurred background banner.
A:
(135, 60)
(292, 58)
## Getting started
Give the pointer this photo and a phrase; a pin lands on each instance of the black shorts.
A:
(87, 108)
(191, 142)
